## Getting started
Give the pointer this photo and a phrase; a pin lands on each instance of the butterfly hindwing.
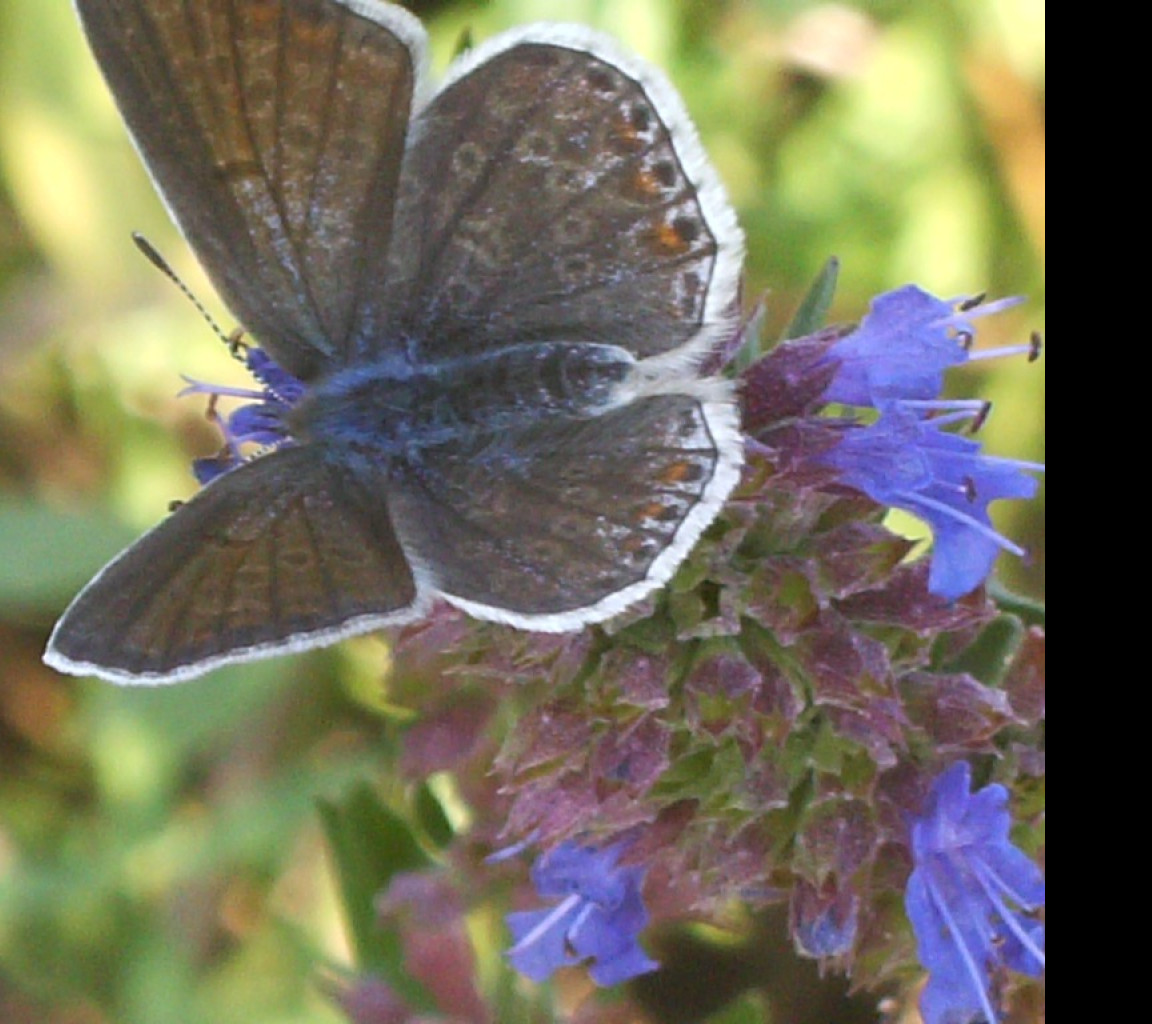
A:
(284, 553)
(559, 524)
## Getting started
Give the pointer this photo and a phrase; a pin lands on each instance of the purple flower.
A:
(908, 462)
(260, 422)
(967, 899)
(904, 345)
(598, 917)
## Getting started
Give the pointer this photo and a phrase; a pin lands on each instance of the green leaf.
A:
(46, 555)
(1030, 611)
(431, 817)
(464, 42)
(370, 845)
(987, 658)
(753, 330)
(813, 311)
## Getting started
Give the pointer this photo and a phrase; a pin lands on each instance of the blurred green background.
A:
(160, 858)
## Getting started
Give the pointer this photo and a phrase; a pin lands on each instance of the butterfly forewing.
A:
(549, 193)
(275, 131)
(284, 553)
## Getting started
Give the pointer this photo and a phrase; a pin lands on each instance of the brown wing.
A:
(556, 525)
(275, 131)
(284, 553)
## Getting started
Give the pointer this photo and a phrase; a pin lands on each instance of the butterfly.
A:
(493, 297)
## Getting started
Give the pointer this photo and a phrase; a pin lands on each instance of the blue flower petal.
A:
(907, 462)
(598, 919)
(278, 381)
(952, 995)
(547, 951)
(961, 559)
(1021, 958)
(261, 422)
(985, 816)
(572, 868)
(903, 347)
(208, 469)
(610, 932)
(625, 966)
(968, 899)
(1017, 873)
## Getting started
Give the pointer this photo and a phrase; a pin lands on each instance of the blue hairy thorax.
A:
(389, 410)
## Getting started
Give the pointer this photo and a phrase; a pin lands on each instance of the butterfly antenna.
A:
(232, 340)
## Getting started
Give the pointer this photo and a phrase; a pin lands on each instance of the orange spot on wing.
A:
(624, 132)
(646, 184)
(669, 238)
(676, 473)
